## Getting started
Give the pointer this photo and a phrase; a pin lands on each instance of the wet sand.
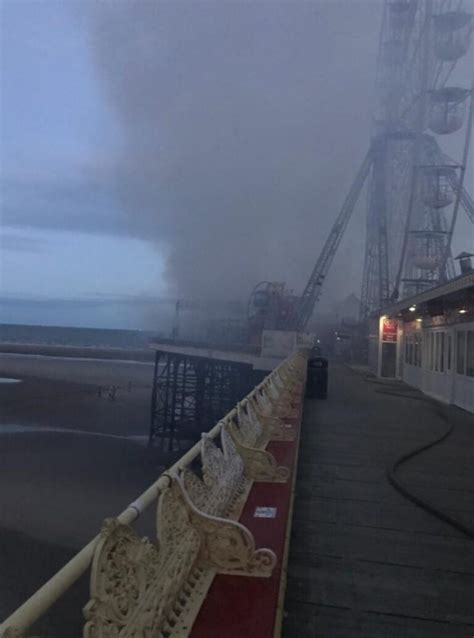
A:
(69, 457)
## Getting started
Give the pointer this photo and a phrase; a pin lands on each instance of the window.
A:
(441, 352)
(460, 352)
(432, 351)
(448, 352)
(436, 357)
(413, 349)
(419, 343)
(437, 351)
(470, 354)
(408, 350)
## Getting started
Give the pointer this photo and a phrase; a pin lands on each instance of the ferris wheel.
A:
(415, 189)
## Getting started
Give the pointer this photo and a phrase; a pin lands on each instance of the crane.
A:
(272, 306)
(312, 290)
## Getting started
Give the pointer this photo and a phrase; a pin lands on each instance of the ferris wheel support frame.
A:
(459, 189)
(420, 117)
(379, 202)
(466, 200)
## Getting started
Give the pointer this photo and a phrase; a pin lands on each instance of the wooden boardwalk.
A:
(364, 561)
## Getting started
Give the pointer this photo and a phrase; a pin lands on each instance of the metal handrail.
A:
(39, 603)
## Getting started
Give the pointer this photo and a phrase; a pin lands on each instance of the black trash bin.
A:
(317, 379)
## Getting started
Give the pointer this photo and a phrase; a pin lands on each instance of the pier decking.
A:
(364, 561)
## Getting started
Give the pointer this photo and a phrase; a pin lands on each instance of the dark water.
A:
(109, 314)
(87, 337)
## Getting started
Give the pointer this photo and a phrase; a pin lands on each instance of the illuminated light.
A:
(462, 311)
(383, 317)
(412, 308)
(419, 319)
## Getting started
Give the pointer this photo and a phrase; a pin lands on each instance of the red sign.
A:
(389, 330)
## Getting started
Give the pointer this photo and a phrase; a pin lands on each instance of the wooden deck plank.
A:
(384, 516)
(378, 544)
(308, 621)
(364, 561)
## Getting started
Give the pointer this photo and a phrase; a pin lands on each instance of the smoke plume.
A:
(243, 125)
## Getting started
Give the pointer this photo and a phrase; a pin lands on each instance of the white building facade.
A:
(428, 342)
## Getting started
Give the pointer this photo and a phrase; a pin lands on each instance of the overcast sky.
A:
(176, 148)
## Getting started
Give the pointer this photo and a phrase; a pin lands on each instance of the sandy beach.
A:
(69, 456)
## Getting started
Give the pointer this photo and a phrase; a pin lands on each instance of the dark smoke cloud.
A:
(244, 123)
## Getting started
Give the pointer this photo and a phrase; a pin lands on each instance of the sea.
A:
(71, 336)
(101, 324)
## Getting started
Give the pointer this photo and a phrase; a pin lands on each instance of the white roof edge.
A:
(463, 281)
